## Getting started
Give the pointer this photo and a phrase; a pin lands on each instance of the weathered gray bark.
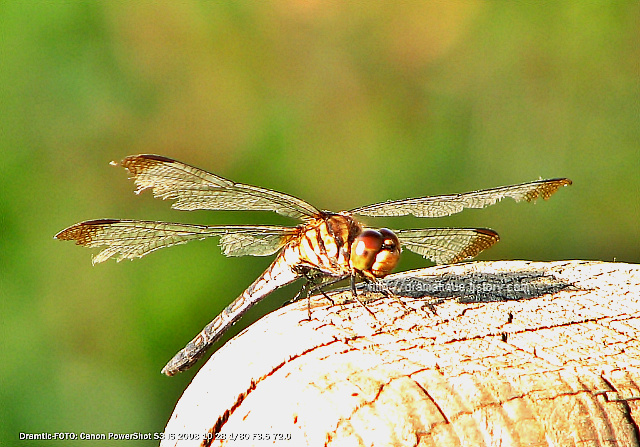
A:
(495, 353)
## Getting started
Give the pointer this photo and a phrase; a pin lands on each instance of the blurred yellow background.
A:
(340, 103)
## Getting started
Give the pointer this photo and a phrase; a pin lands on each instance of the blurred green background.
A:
(340, 103)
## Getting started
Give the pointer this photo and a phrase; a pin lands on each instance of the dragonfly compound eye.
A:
(389, 254)
(375, 252)
(365, 248)
(390, 241)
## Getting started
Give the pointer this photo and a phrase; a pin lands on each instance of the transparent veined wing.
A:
(447, 245)
(129, 239)
(195, 189)
(438, 206)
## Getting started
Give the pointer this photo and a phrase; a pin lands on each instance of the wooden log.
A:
(485, 353)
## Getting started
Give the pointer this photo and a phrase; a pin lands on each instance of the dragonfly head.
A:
(375, 252)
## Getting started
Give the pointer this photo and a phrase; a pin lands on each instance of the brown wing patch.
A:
(84, 233)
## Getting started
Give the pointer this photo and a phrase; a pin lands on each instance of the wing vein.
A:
(439, 206)
(129, 239)
(193, 188)
(447, 245)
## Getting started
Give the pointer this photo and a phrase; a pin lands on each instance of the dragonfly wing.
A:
(447, 245)
(438, 206)
(195, 189)
(254, 240)
(129, 239)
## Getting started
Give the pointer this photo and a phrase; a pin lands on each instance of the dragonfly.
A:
(323, 245)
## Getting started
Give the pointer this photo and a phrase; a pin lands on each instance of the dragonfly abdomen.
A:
(278, 274)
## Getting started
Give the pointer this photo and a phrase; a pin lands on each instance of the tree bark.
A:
(488, 353)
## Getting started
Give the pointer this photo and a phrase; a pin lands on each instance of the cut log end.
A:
(492, 353)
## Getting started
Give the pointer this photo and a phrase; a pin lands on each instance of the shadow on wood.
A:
(492, 353)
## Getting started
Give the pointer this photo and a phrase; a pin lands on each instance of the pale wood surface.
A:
(498, 353)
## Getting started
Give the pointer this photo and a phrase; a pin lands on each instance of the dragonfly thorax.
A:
(375, 253)
(338, 245)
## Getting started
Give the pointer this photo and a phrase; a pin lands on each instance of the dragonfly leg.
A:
(432, 308)
(319, 288)
(304, 291)
(298, 295)
(314, 284)
(386, 291)
(318, 285)
(355, 295)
